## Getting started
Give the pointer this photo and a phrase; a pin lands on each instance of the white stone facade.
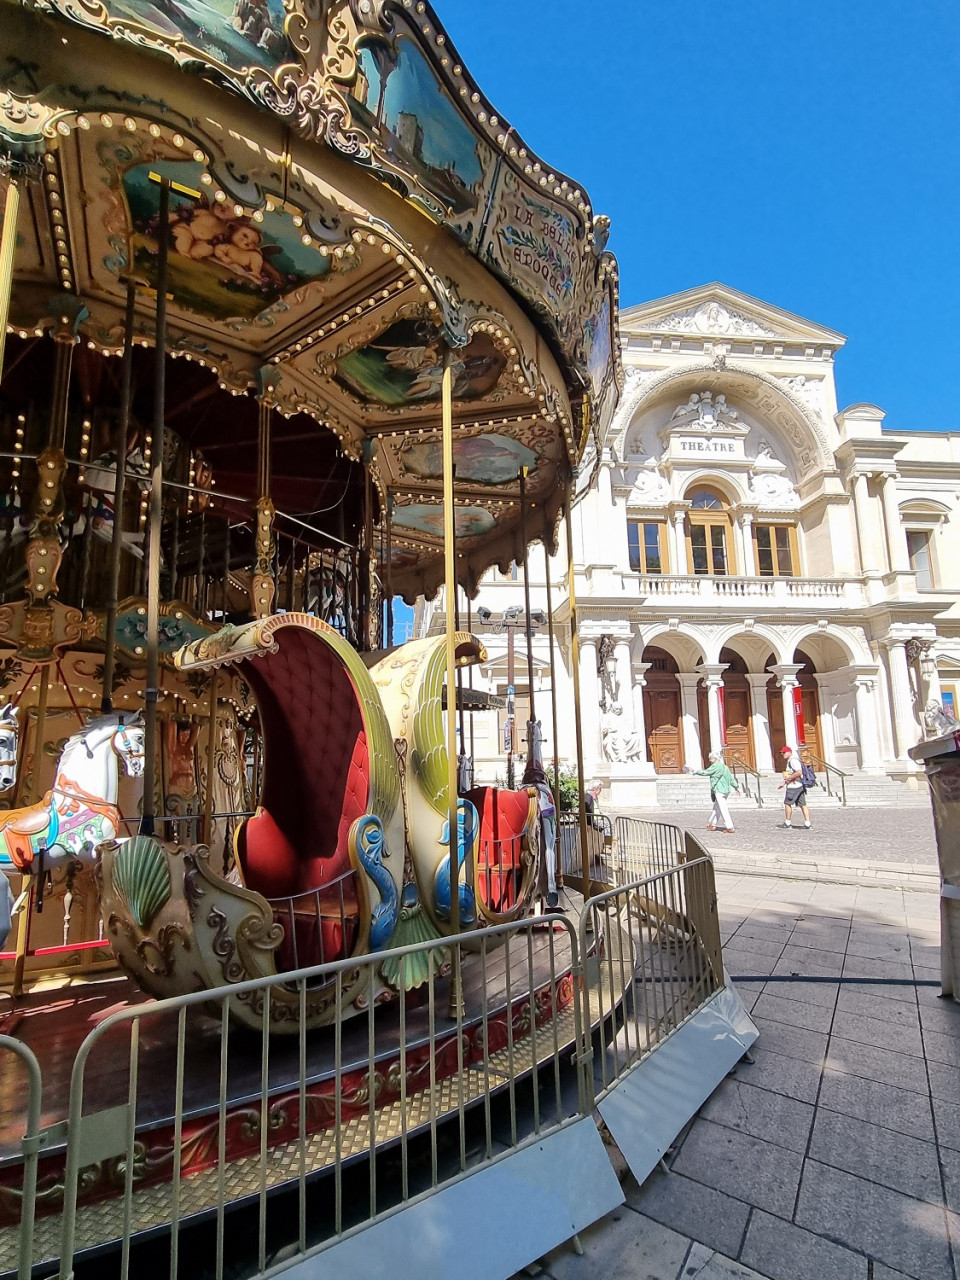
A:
(753, 567)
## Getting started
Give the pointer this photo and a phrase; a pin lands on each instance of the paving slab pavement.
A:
(835, 1154)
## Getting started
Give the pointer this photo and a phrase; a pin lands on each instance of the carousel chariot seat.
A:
(506, 821)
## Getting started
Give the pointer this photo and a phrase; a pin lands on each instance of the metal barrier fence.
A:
(599, 847)
(645, 848)
(30, 1143)
(247, 1151)
(661, 961)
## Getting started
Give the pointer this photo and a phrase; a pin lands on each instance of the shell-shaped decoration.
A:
(141, 879)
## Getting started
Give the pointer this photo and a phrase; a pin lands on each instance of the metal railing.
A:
(645, 848)
(737, 766)
(30, 1142)
(808, 757)
(599, 854)
(663, 955)
(217, 1152)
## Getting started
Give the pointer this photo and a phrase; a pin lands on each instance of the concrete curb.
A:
(880, 875)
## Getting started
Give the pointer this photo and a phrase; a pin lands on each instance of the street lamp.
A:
(510, 621)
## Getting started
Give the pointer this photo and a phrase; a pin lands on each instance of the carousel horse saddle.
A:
(29, 821)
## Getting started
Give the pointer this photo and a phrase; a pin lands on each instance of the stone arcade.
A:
(753, 567)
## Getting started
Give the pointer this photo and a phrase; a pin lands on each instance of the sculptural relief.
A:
(620, 743)
(770, 485)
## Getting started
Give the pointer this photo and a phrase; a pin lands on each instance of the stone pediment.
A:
(716, 311)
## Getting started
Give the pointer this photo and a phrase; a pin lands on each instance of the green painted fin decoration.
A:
(141, 879)
(413, 970)
(429, 748)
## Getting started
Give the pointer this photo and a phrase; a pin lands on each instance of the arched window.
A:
(708, 528)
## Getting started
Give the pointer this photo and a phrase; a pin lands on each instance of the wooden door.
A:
(661, 711)
(736, 707)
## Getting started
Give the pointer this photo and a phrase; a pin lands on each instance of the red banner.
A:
(798, 717)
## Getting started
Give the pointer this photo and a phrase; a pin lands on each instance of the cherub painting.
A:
(404, 365)
(222, 264)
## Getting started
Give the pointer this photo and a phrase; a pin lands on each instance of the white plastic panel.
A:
(647, 1109)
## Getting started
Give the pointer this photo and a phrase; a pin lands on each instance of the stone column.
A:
(679, 548)
(786, 673)
(897, 554)
(712, 680)
(868, 731)
(905, 730)
(762, 748)
(869, 559)
(621, 656)
(749, 562)
(640, 670)
(589, 703)
(690, 718)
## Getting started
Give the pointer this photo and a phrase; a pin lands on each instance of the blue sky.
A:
(804, 151)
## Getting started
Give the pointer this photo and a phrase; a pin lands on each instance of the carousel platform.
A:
(401, 1073)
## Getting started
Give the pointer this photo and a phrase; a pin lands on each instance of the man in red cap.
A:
(795, 793)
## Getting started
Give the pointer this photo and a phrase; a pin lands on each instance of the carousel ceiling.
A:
(348, 210)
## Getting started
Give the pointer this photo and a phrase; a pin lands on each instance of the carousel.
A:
(292, 324)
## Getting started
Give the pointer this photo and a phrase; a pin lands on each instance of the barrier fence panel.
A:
(645, 848)
(29, 1138)
(331, 1130)
(662, 948)
(599, 847)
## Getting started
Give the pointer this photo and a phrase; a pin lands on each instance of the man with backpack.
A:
(797, 778)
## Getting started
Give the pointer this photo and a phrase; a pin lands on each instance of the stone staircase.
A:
(687, 791)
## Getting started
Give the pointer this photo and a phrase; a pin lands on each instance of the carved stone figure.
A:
(769, 483)
(936, 721)
(650, 486)
(620, 744)
(705, 412)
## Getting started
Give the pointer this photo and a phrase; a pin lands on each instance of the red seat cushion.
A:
(270, 863)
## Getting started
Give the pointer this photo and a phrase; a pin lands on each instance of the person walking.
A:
(794, 786)
(722, 782)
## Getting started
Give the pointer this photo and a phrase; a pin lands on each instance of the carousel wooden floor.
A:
(56, 1027)
(55, 1022)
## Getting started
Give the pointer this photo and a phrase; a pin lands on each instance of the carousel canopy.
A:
(344, 205)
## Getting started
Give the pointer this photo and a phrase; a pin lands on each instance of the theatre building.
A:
(753, 567)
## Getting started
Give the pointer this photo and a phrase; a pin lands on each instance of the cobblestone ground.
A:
(835, 1154)
(882, 834)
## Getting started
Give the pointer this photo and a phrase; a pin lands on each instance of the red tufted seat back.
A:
(316, 777)
(503, 816)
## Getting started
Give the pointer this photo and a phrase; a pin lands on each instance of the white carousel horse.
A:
(534, 775)
(101, 480)
(80, 809)
(9, 740)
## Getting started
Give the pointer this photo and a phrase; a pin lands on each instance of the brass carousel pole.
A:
(553, 694)
(389, 571)
(528, 626)
(116, 541)
(8, 245)
(578, 724)
(262, 586)
(450, 588)
(152, 691)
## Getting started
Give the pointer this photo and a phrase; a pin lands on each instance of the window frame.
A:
(710, 518)
(792, 548)
(642, 522)
(927, 535)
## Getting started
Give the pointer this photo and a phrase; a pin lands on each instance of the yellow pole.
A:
(207, 835)
(575, 664)
(8, 245)
(450, 587)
